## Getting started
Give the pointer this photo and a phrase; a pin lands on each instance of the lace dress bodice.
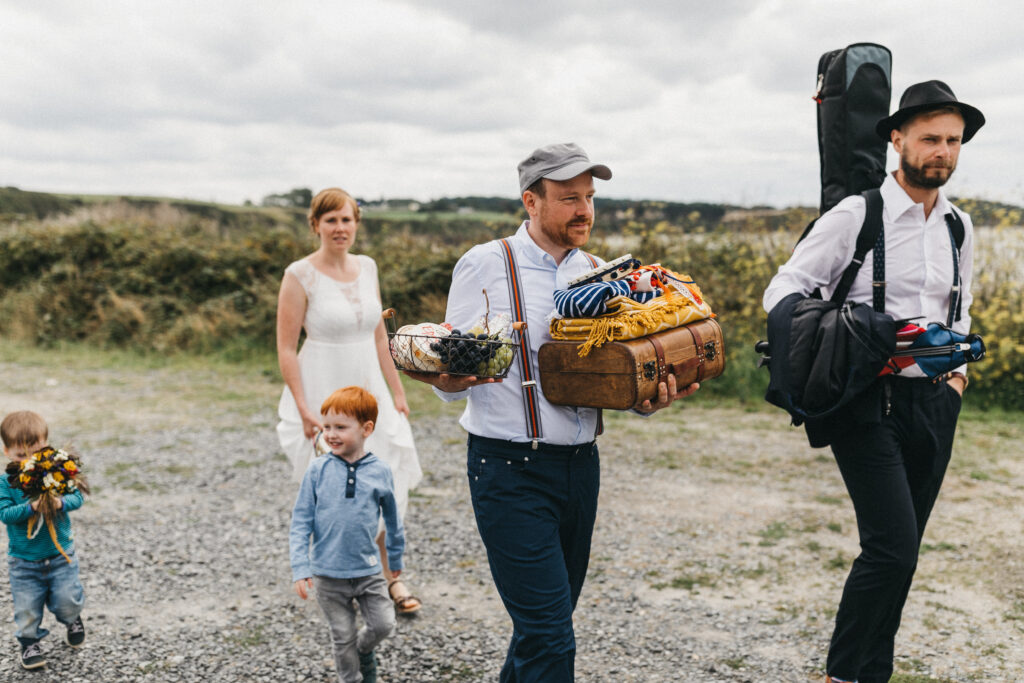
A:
(339, 312)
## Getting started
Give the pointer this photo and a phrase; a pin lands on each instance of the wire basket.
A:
(453, 355)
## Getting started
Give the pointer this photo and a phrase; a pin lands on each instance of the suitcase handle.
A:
(661, 369)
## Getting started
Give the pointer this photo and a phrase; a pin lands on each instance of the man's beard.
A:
(917, 176)
(558, 233)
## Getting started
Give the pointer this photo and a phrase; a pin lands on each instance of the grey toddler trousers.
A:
(335, 599)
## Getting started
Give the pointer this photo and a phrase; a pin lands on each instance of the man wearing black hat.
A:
(893, 450)
(533, 467)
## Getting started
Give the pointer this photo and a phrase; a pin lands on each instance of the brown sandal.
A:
(405, 602)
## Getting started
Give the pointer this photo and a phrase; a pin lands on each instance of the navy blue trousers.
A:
(535, 511)
(893, 471)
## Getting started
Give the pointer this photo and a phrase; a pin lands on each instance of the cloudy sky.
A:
(685, 101)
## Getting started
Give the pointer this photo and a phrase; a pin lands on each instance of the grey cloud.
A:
(686, 100)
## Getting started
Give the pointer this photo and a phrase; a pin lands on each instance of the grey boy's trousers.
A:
(335, 598)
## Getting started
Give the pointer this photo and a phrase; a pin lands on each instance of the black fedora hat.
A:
(926, 96)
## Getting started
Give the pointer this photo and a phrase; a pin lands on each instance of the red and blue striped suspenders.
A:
(527, 374)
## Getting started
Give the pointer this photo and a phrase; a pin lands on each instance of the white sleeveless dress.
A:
(339, 351)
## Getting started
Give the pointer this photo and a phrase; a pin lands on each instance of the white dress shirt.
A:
(918, 260)
(496, 410)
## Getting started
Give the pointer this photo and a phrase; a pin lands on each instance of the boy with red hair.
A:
(341, 499)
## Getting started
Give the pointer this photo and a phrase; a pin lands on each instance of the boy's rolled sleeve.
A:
(395, 536)
(301, 529)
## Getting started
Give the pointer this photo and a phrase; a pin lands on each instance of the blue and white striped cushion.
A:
(588, 301)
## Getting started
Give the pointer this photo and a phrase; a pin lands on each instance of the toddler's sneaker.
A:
(32, 656)
(76, 633)
(368, 666)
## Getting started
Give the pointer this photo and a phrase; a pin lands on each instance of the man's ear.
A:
(530, 202)
(896, 136)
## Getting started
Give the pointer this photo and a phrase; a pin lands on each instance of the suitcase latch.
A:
(710, 351)
(650, 369)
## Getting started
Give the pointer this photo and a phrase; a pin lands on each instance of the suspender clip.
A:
(533, 444)
(530, 383)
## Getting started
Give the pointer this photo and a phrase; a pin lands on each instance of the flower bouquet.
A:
(46, 475)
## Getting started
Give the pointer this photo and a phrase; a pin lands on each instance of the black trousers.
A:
(893, 470)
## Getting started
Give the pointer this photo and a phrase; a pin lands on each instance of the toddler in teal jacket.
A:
(41, 573)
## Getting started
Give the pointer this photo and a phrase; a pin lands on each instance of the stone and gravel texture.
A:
(721, 546)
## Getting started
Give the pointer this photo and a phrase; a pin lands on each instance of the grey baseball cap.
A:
(558, 162)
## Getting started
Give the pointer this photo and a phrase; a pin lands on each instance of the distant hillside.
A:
(19, 205)
(615, 214)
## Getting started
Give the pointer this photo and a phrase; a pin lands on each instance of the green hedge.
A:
(192, 287)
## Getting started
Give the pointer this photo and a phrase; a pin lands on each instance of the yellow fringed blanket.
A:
(681, 304)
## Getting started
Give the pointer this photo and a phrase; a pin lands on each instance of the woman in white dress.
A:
(335, 296)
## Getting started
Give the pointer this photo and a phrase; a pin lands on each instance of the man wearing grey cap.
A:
(533, 467)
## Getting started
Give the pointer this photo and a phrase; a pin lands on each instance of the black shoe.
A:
(32, 656)
(76, 633)
(368, 666)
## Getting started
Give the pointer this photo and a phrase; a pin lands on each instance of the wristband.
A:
(951, 375)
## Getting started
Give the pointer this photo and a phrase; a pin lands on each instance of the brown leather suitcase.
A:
(623, 374)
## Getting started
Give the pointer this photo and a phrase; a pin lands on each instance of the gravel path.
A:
(721, 545)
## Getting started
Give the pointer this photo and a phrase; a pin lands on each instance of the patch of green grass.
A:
(80, 356)
(829, 500)
(186, 471)
(835, 526)
(918, 678)
(244, 464)
(735, 662)
(784, 613)
(424, 403)
(837, 562)
(947, 608)
(664, 459)
(750, 572)
(118, 469)
(115, 441)
(932, 547)
(463, 672)
(251, 636)
(687, 582)
(1016, 611)
(773, 533)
